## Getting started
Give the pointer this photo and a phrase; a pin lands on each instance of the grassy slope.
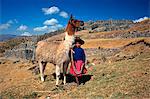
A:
(127, 79)
(111, 43)
(124, 79)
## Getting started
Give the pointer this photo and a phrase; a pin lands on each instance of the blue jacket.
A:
(79, 54)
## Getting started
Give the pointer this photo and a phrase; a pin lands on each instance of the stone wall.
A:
(100, 52)
(130, 34)
(24, 51)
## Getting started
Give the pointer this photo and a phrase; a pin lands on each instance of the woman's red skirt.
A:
(78, 65)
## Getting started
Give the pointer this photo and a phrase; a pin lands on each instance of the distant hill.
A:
(47, 35)
(107, 25)
(140, 29)
(4, 37)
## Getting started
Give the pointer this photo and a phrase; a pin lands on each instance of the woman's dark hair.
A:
(77, 39)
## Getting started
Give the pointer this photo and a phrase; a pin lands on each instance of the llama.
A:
(57, 54)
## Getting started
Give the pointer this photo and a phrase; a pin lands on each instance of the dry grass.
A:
(111, 43)
(16, 81)
(122, 79)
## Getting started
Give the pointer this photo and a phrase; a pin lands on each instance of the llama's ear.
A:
(71, 17)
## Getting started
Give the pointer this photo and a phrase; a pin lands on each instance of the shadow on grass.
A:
(70, 78)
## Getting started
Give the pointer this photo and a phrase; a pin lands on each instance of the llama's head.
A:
(73, 24)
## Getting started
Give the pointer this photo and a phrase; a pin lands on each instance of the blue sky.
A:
(25, 17)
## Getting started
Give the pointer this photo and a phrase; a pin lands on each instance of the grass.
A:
(111, 43)
(120, 80)
(126, 79)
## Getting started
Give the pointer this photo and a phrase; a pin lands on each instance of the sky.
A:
(32, 17)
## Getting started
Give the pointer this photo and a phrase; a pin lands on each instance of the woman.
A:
(78, 62)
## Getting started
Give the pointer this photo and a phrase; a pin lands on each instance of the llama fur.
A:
(55, 53)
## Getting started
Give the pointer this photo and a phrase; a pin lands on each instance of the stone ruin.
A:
(107, 25)
(25, 51)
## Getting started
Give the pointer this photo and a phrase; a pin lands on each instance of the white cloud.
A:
(49, 26)
(54, 27)
(44, 28)
(6, 25)
(59, 26)
(10, 22)
(51, 10)
(51, 22)
(22, 27)
(140, 19)
(64, 14)
(48, 29)
(26, 34)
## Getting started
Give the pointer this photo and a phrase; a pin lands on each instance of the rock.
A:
(24, 51)
(16, 61)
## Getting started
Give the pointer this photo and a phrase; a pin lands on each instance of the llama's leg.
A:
(65, 67)
(64, 79)
(57, 74)
(41, 71)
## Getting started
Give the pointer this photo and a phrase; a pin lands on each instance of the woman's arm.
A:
(84, 57)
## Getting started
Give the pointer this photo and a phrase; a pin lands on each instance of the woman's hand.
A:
(72, 50)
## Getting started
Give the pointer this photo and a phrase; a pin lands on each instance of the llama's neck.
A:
(69, 40)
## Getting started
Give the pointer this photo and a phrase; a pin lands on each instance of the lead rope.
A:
(73, 64)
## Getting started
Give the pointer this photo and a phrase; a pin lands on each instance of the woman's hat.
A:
(78, 39)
